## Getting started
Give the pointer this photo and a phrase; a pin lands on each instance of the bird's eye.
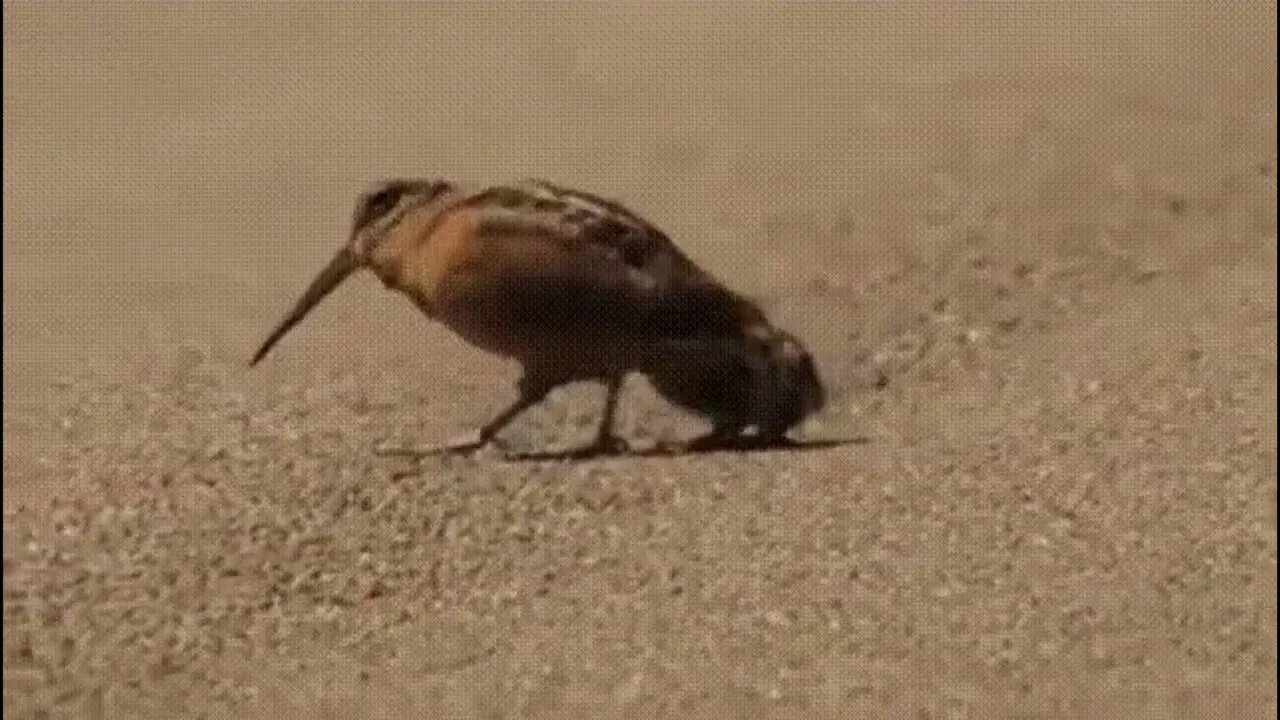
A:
(382, 201)
(377, 205)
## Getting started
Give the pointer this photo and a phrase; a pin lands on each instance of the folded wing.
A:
(552, 262)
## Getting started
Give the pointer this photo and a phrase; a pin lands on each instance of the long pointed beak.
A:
(343, 264)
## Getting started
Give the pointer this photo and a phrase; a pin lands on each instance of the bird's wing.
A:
(693, 302)
(555, 260)
(606, 225)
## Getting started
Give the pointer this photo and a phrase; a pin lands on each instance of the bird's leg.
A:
(606, 443)
(533, 388)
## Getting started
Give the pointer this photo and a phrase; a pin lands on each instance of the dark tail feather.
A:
(342, 265)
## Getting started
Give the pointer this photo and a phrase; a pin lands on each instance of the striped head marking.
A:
(382, 205)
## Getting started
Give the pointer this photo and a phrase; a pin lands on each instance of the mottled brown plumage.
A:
(574, 287)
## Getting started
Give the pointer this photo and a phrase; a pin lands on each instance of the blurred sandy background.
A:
(1032, 245)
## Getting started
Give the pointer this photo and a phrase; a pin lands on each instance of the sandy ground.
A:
(1033, 248)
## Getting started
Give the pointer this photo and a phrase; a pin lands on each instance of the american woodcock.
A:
(575, 287)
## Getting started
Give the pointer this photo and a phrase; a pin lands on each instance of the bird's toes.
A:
(612, 445)
(604, 445)
(463, 442)
(466, 444)
(387, 449)
(462, 445)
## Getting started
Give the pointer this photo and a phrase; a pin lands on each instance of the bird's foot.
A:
(461, 446)
(465, 444)
(714, 441)
(604, 445)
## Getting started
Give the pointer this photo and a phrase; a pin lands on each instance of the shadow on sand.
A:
(659, 450)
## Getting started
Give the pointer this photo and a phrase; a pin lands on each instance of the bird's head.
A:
(385, 203)
(378, 210)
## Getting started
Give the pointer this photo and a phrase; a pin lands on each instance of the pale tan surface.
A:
(1065, 507)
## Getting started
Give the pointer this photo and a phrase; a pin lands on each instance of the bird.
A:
(574, 287)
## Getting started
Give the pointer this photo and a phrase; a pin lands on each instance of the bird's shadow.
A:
(678, 451)
(745, 445)
(681, 450)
